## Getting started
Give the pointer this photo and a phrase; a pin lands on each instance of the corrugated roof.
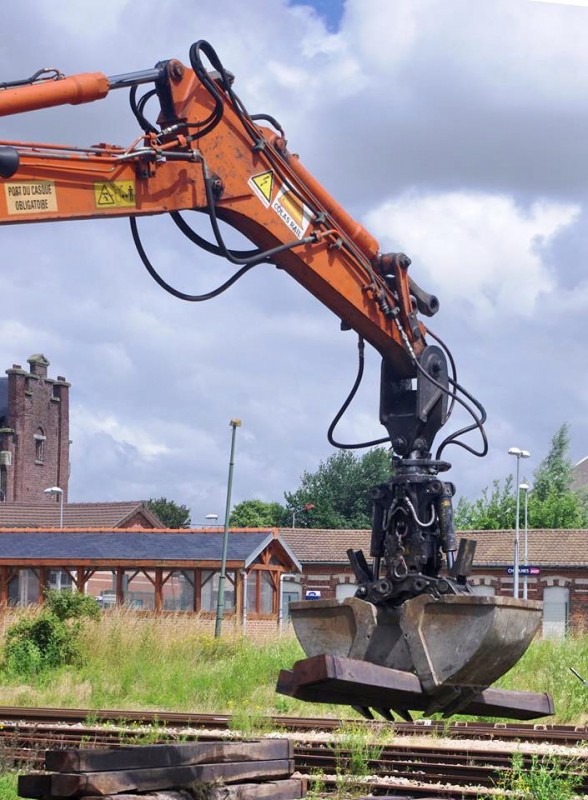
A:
(129, 546)
(75, 515)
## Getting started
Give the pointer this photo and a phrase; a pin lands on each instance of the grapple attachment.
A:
(456, 645)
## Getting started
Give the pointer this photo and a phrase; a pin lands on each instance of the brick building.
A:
(557, 566)
(34, 433)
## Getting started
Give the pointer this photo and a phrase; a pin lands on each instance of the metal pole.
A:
(516, 541)
(220, 607)
(526, 575)
(516, 451)
(61, 510)
(283, 576)
(244, 615)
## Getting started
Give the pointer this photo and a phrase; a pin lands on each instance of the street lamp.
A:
(307, 507)
(524, 487)
(58, 491)
(212, 518)
(516, 451)
(220, 606)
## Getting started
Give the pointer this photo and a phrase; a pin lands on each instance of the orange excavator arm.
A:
(209, 154)
(206, 153)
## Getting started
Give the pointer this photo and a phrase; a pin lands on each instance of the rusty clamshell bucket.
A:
(456, 645)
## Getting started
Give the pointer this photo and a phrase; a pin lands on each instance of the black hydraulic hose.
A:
(137, 109)
(191, 298)
(478, 424)
(203, 243)
(201, 73)
(266, 255)
(268, 118)
(347, 402)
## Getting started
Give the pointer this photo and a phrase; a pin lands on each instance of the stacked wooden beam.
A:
(202, 770)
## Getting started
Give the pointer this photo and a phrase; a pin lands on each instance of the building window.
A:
(209, 590)
(40, 439)
(260, 592)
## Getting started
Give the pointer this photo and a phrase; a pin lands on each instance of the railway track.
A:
(555, 734)
(424, 760)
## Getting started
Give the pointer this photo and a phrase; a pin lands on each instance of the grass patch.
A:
(355, 750)
(545, 667)
(8, 786)
(162, 663)
(128, 660)
(545, 778)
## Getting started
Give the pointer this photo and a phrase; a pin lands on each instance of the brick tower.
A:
(34, 433)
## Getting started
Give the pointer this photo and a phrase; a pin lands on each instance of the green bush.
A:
(51, 638)
(71, 605)
(36, 644)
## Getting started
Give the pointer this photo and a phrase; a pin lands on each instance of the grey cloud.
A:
(458, 109)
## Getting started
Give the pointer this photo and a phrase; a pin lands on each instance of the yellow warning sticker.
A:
(292, 211)
(30, 197)
(115, 194)
(263, 186)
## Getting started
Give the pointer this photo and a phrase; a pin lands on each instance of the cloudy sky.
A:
(455, 130)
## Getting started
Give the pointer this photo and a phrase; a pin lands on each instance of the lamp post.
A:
(516, 451)
(307, 507)
(524, 487)
(59, 491)
(220, 606)
(212, 518)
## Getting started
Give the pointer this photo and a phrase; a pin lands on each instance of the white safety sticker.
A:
(292, 211)
(30, 197)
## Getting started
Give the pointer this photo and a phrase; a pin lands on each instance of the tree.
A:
(552, 502)
(170, 513)
(495, 510)
(338, 494)
(258, 514)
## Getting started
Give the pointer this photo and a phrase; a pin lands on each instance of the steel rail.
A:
(423, 769)
(560, 734)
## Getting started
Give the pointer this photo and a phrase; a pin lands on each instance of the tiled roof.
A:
(131, 545)
(75, 515)
(547, 548)
(567, 548)
(324, 546)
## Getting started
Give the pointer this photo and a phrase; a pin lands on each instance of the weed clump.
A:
(51, 638)
(544, 778)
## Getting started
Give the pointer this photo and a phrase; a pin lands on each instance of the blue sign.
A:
(524, 569)
(312, 594)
